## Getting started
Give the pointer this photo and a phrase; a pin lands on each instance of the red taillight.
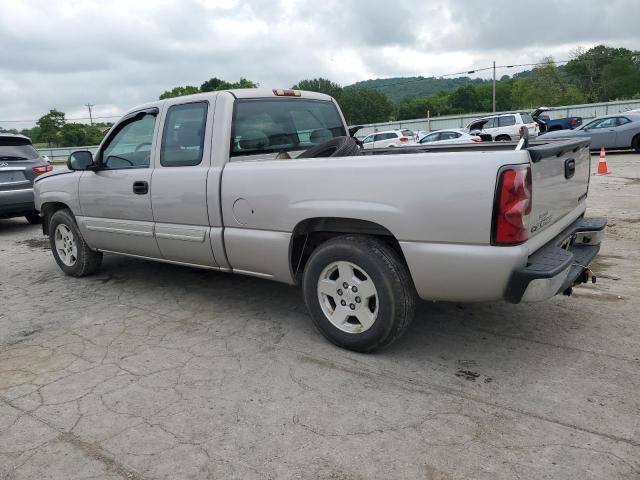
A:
(286, 92)
(476, 139)
(513, 206)
(41, 170)
(573, 122)
(404, 139)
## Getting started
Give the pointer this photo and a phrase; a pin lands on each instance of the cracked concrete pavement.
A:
(149, 371)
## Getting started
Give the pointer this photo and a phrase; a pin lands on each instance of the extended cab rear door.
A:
(179, 183)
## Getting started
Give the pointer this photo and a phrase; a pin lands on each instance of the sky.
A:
(116, 54)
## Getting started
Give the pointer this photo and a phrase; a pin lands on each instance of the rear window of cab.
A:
(276, 125)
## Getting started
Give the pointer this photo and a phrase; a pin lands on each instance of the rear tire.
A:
(33, 218)
(377, 304)
(72, 254)
(635, 143)
(503, 138)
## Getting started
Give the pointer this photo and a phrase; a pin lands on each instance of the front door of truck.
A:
(115, 200)
(179, 195)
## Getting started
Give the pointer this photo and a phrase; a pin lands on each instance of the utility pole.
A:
(494, 102)
(494, 86)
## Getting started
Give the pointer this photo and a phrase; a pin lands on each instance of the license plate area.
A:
(12, 176)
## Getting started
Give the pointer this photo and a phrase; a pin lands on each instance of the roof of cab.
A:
(238, 93)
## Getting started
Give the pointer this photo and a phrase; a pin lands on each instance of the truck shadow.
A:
(460, 336)
(10, 226)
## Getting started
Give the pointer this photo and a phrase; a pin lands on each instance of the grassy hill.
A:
(397, 88)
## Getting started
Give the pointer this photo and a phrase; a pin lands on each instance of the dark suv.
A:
(20, 163)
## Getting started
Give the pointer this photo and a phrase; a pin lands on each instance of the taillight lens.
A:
(404, 139)
(41, 170)
(513, 206)
(476, 139)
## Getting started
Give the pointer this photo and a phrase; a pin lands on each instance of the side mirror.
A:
(80, 160)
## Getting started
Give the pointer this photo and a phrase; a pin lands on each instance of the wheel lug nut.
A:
(343, 303)
(354, 289)
(339, 291)
(352, 306)
(358, 300)
(345, 285)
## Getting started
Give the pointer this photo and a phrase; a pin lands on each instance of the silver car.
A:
(445, 137)
(20, 164)
(619, 131)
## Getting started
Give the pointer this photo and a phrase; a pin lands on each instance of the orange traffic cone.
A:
(602, 164)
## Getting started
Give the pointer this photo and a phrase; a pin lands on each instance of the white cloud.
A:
(116, 54)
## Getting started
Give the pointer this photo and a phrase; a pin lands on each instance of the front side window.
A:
(130, 147)
(183, 135)
(275, 125)
(432, 137)
(508, 120)
(604, 123)
(491, 123)
(368, 139)
(622, 120)
(449, 135)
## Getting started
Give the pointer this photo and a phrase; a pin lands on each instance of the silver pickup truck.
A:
(269, 183)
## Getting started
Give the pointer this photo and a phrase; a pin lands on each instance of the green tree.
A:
(320, 85)
(548, 86)
(179, 92)
(244, 83)
(465, 100)
(79, 134)
(363, 105)
(605, 73)
(421, 107)
(503, 96)
(215, 84)
(49, 126)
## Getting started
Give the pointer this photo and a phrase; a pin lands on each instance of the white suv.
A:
(390, 138)
(504, 127)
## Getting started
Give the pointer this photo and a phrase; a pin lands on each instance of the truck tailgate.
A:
(560, 180)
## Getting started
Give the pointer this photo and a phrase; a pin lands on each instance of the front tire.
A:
(359, 292)
(635, 143)
(71, 252)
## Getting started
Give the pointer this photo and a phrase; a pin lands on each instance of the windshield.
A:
(274, 125)
(17, 152)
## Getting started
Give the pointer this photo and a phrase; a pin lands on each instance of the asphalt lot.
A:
(152, 371)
